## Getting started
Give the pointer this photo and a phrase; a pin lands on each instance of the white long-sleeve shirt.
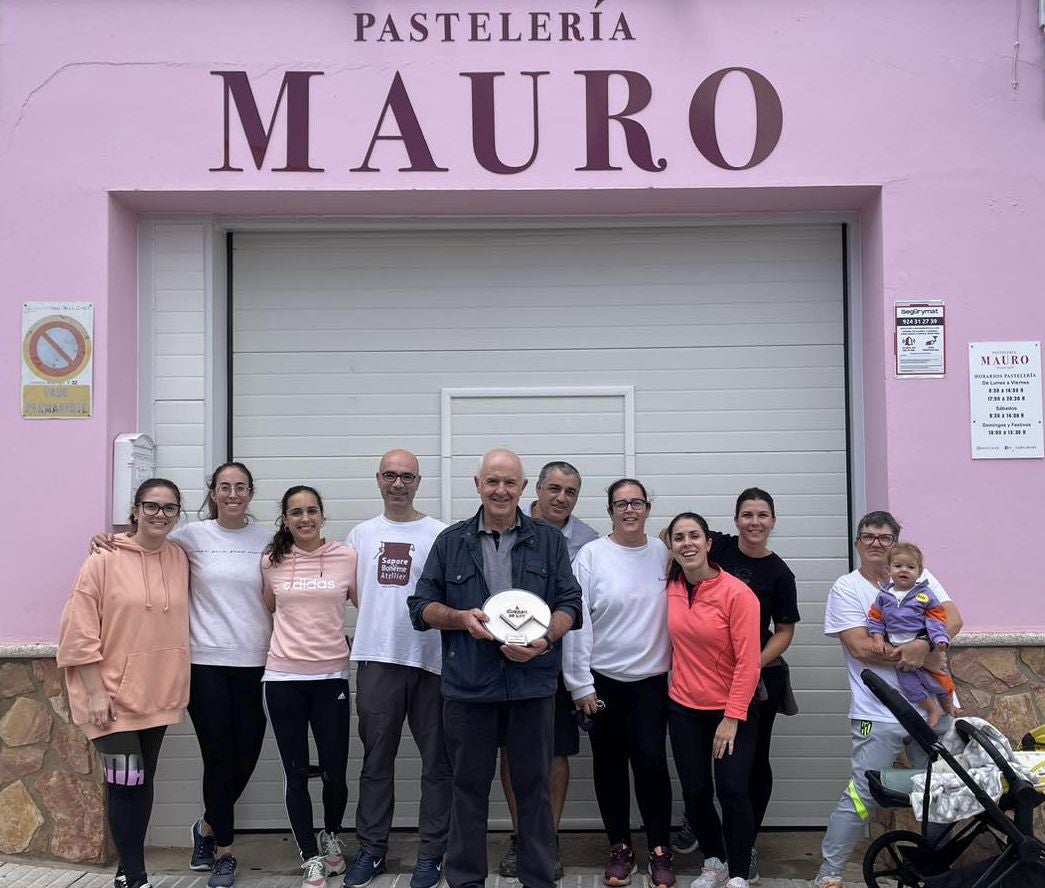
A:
(625, 630)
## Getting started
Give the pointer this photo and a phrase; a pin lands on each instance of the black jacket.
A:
(475, 670)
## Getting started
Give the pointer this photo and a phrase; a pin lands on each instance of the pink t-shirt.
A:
(309, 591)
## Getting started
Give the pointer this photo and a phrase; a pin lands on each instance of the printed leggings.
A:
(129, 769)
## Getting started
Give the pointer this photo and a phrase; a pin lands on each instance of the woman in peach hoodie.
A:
(124, 645)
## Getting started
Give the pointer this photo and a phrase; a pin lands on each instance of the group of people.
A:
(649, 636)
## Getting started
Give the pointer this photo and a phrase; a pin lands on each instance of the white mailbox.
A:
(133, 461)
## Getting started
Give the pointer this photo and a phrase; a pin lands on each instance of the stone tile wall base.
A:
(51, 801)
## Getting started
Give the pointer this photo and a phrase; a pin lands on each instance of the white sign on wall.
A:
(920, 339)
(1005, 405)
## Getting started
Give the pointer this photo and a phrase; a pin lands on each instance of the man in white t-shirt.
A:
(397, 677)
(558, 487)
(877, 736)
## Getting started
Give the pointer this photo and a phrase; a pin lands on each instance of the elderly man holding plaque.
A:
(500, 588)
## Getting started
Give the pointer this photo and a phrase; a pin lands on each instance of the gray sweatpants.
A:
(875, 748)
(387, 695)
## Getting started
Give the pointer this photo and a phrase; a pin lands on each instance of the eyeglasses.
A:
(239, 489)
(881, 539)
(392, 477)
(636, 505)
(169, 510)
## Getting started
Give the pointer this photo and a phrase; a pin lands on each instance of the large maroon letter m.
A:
(295, 87)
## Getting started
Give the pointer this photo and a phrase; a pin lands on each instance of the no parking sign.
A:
(57, 367)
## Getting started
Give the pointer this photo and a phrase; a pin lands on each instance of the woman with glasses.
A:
(124, 644)
(712, 717)
(229, 629)
(616, 668)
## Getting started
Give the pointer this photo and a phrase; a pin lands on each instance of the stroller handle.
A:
(905, 713)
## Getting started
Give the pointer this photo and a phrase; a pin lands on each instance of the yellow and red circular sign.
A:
(57, 348)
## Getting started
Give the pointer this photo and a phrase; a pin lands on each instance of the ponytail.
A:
(281, 542)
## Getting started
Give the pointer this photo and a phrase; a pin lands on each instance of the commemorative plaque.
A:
(517, 616)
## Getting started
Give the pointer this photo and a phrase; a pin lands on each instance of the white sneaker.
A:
(827, 882)
(315, 875)
(737, 882)
(715, 874)
(332, 852)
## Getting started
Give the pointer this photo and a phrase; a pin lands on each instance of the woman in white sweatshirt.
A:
(306, 584)
(620, 658)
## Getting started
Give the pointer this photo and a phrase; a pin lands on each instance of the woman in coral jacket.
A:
(124, 645)
(713, 623)
(306, 582)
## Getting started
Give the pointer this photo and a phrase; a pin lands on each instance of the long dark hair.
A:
(212, 481)
(674, 568)
(145, 485)
(283, 538)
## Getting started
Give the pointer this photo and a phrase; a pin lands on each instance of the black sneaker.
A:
(509, 865)
(140, 881)
(120, 879)
(685, 841)
(202, 850)
(224, 873)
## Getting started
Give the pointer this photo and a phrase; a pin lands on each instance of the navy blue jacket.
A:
(474, 669)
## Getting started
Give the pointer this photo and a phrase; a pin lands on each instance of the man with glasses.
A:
(558, 488)
(490, 689)
(397, 677)
(877, 736)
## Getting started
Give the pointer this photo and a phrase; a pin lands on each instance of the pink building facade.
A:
(916, 129)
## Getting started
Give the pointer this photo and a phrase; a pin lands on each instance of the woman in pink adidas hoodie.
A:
(124, 645)
(306, 582)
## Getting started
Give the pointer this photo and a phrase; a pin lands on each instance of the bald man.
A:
(493, 690)
(397, 677)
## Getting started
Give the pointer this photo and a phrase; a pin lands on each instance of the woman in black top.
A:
(747, 556)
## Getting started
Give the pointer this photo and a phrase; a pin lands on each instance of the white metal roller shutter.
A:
(730, 338)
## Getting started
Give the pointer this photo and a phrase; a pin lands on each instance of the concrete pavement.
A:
(269, 860)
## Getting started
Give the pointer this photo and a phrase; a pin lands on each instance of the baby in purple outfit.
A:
(904, 610)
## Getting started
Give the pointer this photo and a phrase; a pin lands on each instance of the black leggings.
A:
(692, 733)
(632, 729)
(129, 769)
(229, 718)
(323, 705)
(761, 785)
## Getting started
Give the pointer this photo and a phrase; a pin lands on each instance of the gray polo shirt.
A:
(497, 554)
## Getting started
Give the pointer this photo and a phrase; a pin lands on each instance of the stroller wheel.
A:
(900, 859)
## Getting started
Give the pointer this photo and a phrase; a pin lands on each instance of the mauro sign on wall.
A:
(278, 135)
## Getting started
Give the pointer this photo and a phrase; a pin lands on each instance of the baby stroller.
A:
(927, 859)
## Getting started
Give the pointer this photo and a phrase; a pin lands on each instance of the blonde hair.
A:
(907, 549)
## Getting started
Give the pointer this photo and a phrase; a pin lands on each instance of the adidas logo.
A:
(341, 696)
